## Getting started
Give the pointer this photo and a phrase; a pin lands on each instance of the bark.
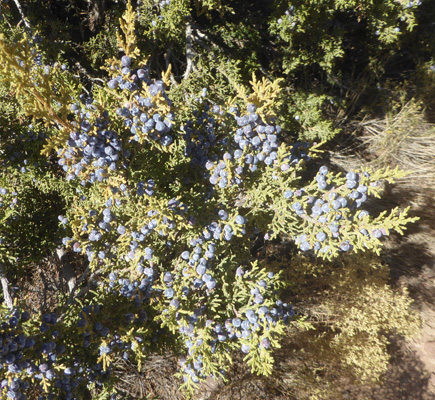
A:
(5, 286)
(67, 270)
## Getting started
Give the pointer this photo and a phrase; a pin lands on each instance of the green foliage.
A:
(102, 46)
(27, 231)
(305, 114)
(34, 195)
(164, 23)
(315, 32)
(356, 316)
(10, 111)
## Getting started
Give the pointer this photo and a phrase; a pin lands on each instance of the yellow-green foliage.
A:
(267, 203)
(263, 93)
(354, 312)
(128, 41)
(43, 92)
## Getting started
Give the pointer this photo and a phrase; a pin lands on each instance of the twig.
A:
(80, 280)
(72, 296)
(211, 38)
(23, 17)
(189, 50)
(5, 287)
(167, 63)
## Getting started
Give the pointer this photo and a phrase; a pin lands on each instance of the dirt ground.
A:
(412, 262)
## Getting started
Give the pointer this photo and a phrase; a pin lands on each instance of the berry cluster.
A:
(93, 151)
(251, 329)
(200, 138)
(333, 207)
(142, 116)
(17, 360)
(21, 150)
(253, 145)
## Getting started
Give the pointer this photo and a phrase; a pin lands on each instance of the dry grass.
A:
(154, 381)
(403, 139)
